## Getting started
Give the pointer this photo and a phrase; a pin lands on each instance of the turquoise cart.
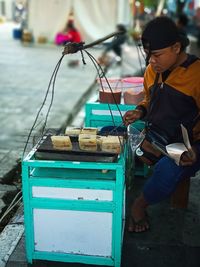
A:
(99, 115)
(74, 211)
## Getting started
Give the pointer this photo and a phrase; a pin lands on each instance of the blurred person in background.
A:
(70, 34)
(197, 22)
(115, 46)
(182, 23)
(172, 98)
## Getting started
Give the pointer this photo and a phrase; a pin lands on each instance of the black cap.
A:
(160, 33)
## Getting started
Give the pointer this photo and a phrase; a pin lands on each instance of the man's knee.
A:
(163, 180)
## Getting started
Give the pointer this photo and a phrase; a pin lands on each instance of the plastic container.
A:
(133, 90)
(110, 94)
(17, 33)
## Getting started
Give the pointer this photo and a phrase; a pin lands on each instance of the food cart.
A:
(74, 206)
(74, 203)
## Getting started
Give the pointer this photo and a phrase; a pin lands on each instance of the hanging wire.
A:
(100, 73)
(52, 97)
(12, 205)
(139, 59)
(140, 52)
(98, 67)
(55, 71)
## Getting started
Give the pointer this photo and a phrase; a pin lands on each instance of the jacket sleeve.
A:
(143, 105)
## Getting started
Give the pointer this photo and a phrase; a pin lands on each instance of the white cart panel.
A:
(74, 232)
(72, 193)
(107, 112)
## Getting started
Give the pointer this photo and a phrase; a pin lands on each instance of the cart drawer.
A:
(72, 193)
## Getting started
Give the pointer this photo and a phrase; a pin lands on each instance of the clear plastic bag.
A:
(135, 138)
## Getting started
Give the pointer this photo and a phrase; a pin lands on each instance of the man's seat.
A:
(179, 198)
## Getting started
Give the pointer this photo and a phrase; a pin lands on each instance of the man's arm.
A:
(132, 115)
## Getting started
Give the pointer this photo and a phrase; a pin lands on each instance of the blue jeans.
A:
(165, 178)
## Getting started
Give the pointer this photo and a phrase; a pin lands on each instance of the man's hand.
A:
(188, 158)
(131, 116)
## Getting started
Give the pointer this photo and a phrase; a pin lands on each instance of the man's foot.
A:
(138, 221)
(139, 226)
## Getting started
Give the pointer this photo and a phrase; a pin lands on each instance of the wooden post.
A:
(179, 198)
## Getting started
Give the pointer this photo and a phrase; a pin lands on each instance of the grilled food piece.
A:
(89, 130)
(112, 144)
(73, 131)
(61, 142)
(88, 142)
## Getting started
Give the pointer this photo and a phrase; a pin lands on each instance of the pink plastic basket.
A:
(133, 90)
(107, 95)
(133, 82)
